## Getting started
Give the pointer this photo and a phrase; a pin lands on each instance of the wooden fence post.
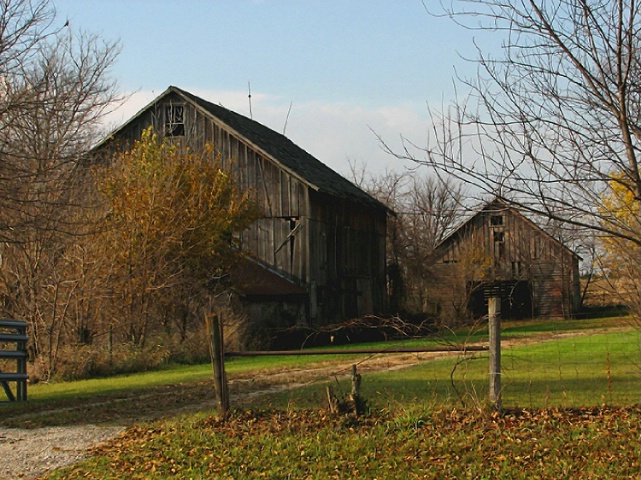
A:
(355, 396)
(217, 352)
(494, 326)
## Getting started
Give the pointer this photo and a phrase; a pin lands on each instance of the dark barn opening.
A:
(516, 299)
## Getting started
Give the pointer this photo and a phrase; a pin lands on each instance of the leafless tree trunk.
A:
(54, 91)
(425, 210)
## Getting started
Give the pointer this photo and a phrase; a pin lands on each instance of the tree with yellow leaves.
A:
(170, 215)
(620, 255)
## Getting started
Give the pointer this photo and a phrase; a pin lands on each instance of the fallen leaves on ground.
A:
(311, 444)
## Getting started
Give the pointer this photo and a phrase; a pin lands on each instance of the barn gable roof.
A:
(497, 205)
(274, 145)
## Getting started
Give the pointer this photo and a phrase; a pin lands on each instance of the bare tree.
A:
(552, 126)
(55, 91)
(425, 210)
(55, 88)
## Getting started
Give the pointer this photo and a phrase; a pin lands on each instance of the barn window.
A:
(293, 228)
(174, 120)
(517, 269)
(499, 246)
(496, 220)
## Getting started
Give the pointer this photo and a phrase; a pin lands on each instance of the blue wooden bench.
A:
(13, 332)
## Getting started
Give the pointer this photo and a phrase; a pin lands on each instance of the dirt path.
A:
(30, 444)
(31, 452)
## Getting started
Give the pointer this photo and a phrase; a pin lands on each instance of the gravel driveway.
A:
(31, 453)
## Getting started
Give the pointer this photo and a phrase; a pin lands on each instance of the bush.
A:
(191, 350)
(85, 361)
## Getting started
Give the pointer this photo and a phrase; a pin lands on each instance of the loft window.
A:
(174, 120)
(496, 220)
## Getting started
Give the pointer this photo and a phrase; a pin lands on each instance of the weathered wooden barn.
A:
(318, 254)
(500, 250)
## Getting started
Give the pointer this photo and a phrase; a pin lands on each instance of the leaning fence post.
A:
(356, 391)
(494, 326)
(217, 352)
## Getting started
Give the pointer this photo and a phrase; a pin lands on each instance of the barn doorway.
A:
(516, 299)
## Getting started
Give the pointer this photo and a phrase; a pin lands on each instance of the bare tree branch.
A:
(552, 126)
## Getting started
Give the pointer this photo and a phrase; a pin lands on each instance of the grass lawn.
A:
(571, 370)
(174, 374)
(45, 393)
(564, 371)
(410, 444)
(572, 412)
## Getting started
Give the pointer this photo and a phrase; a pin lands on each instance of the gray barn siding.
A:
(347, 246)
(318, 230)
(526, 253)
(277, 193)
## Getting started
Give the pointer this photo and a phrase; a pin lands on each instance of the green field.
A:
(571, 392)
(569, 371)
(571, 363)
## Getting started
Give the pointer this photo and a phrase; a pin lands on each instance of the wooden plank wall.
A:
(348, 257)
(513, 251)
(278, 238)
(318, 240)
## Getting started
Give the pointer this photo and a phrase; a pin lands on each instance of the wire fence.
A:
(558, 365)
(574, 369)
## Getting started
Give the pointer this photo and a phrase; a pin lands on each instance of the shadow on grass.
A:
(620, 391)
(119, 408)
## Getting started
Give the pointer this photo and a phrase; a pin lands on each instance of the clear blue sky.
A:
(346, 67)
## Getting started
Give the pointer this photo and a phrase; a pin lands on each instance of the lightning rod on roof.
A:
(249, 97)
(287, 117)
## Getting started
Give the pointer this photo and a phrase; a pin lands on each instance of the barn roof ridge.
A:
(496, 202)
(276, 146)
